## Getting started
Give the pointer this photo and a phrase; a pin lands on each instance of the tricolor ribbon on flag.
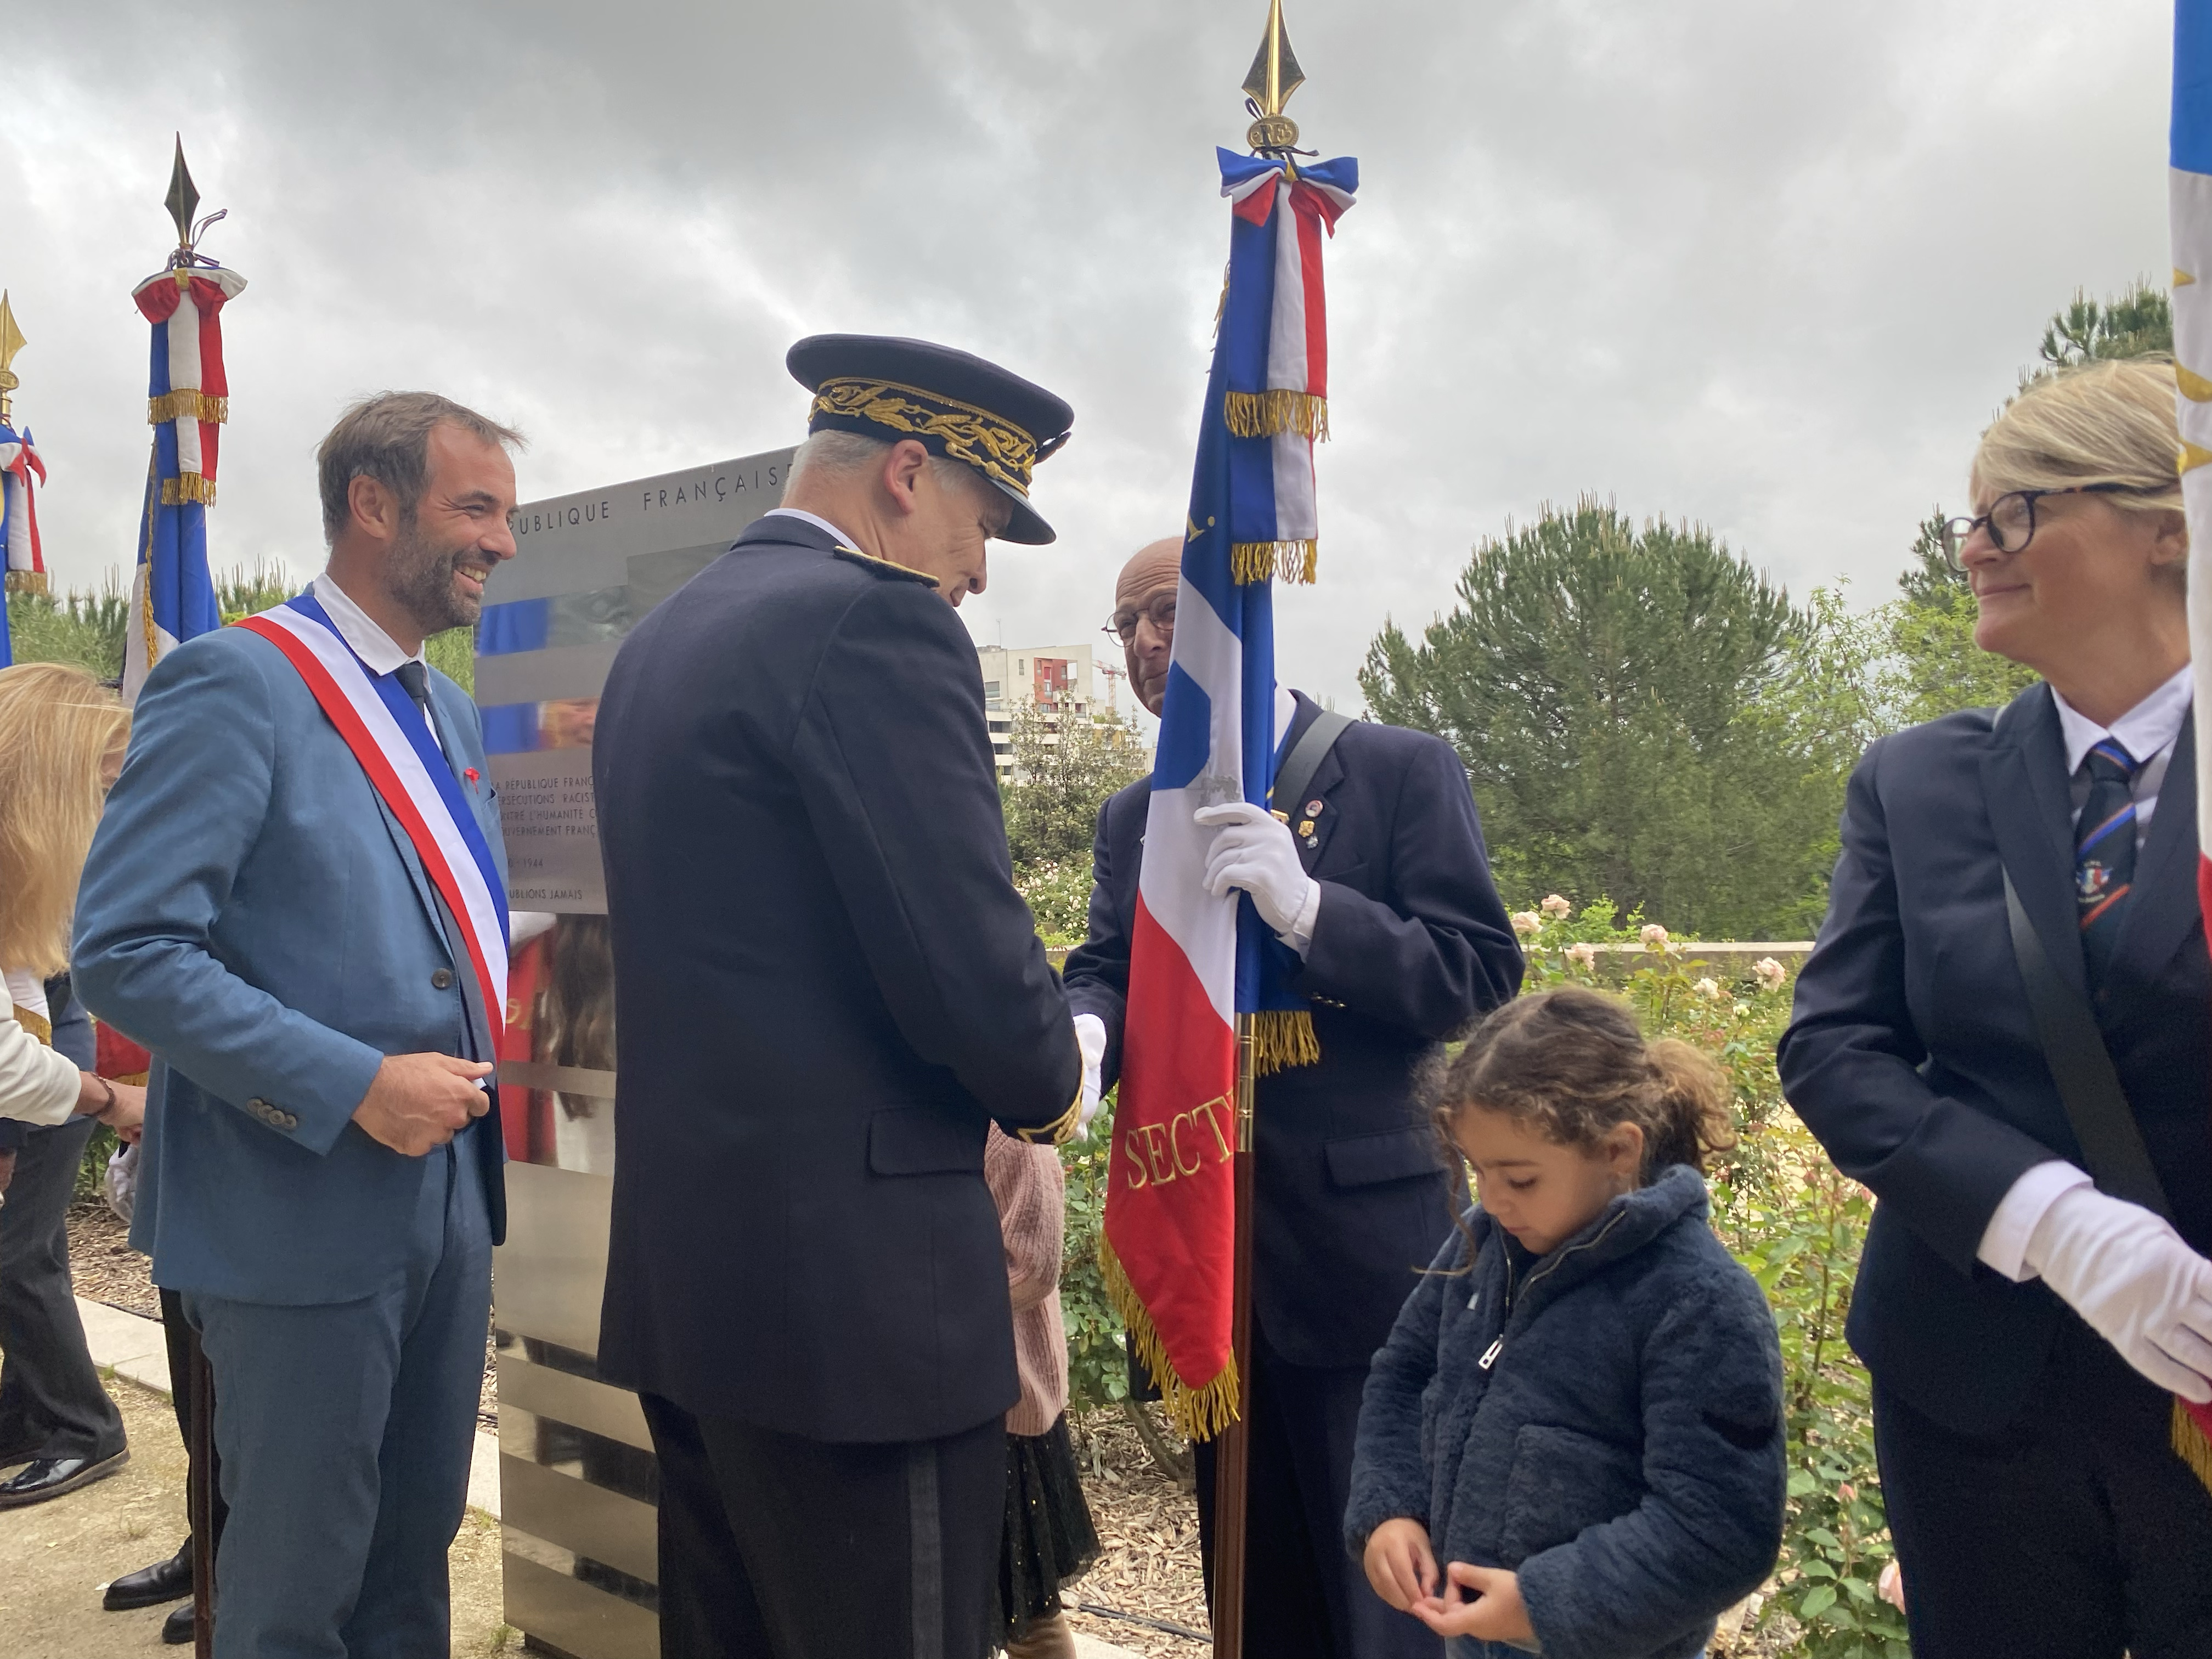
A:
(2190, 187)
(19, 511)
(1197, 961)
(188, 400)
(384, 729)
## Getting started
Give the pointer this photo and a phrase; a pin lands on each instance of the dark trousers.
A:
(2072, 1532)
(177, 1336)
(773, 1547)
(52, 1404)
(1304, 1597)
(345, 1431)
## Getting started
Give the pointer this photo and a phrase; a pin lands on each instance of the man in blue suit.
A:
(322, 1180)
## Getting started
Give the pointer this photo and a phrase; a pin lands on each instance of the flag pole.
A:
(1232, 1459)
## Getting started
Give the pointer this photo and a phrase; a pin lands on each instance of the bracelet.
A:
(106, 1088)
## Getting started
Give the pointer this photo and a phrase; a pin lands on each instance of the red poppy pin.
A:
(470, 773)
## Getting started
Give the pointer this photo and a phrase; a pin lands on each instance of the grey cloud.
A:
(1771, 267)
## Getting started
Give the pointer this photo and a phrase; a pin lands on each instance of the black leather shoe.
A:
(148, 1587)
(177, 1628)
(50, 1477)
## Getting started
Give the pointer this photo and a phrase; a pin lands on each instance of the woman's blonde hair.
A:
(2101, 422)
(58, 727)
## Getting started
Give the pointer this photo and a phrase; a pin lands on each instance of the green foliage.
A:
(454, 654)
(1643, 714)
(84, 628)
(1097, 1361)
(1059, 897)
(1941, 670)
(1064, 770)
(2131, 324)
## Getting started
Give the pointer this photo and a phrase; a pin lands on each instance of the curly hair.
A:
(1574, 1064)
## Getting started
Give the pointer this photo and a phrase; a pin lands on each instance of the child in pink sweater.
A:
(1049, 1540)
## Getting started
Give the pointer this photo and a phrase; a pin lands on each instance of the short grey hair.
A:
(835, 454)
(387, 438)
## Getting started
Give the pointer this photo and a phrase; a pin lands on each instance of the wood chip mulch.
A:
(1148, 1531)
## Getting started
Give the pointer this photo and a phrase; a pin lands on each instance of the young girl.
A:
(1580, 1408)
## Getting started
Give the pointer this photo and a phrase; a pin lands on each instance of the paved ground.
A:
(54, 1557)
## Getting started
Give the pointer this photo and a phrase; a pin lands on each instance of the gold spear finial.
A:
(1275, 75)
(11, 342)
(184, 197)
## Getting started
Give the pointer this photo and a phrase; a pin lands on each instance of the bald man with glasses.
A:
(1380, 884)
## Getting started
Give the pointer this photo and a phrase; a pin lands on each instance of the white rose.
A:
(1654, 936)
(1527, 923)
(1769, 973)
(1555, 907)
(1583, 956)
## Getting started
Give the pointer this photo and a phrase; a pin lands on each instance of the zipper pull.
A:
(1490, 1355)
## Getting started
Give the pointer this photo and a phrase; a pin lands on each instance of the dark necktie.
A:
(415, 679)
(2105, 851)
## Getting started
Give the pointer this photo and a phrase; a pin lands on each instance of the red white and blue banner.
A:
(386, 730)
(188, 400)
(24, 561)
(2190, 195)
(1197, 961)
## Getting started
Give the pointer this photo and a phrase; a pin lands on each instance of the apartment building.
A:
(1059, 680)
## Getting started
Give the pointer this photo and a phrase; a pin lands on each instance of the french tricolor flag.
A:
(1198, 962)
(2189, 186)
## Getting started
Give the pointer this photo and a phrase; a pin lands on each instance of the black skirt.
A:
(1050, 1539)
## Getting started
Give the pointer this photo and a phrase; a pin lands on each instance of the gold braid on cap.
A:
(992, 444)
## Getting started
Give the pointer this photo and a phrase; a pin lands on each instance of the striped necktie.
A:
(2105, 851)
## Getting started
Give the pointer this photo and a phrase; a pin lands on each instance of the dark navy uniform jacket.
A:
(1912, 1055)
(825, 988)
(1410, 944)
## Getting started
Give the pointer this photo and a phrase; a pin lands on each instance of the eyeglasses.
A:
(1159, 611)
(2011, 519)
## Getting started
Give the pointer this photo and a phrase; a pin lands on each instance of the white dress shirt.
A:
(819, 522)
(2148, 731)
(37, 1084)
(379, 651)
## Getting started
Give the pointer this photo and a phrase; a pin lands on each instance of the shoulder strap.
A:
(2089, 1088)
(1306, 756)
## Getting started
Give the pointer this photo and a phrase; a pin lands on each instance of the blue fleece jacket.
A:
(1604, 1420)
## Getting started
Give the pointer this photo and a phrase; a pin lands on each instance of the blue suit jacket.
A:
(1410, 946)
(252, 913)
(1912, 1055)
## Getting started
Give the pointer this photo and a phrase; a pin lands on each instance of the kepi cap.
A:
(954, 403)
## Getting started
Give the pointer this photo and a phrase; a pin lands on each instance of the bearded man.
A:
(296, 901)
(1372, 870)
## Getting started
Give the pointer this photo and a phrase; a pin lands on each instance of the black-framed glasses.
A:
(1159, 611)
(2011, 519)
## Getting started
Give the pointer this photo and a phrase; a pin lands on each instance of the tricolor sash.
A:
(384, 729)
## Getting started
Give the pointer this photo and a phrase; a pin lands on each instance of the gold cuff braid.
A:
(1061, 1129)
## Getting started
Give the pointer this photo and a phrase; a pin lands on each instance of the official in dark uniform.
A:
(1381, 882)
(827, 988)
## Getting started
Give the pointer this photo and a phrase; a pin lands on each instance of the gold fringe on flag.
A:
(1255, 561)
(187, 487)
(1197, 1413)
(27, 581)
(1282, 1038)
(2191, 1446)
(1264, 413)
(188, 404)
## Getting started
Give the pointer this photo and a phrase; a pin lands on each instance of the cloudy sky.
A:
(1771, 266)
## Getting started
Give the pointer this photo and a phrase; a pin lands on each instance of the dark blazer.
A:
(826, 987)
(1912, 1055)
(1410, 944)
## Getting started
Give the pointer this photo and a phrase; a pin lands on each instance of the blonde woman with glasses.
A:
(2016, 902)
(61, 742)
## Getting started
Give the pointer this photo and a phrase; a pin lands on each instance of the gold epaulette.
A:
(37, 1024)
(884, 567)
(1061, 1129)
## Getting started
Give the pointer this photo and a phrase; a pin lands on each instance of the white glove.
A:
(2129, 1274)
(1254, 851)
(1090, 1038)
